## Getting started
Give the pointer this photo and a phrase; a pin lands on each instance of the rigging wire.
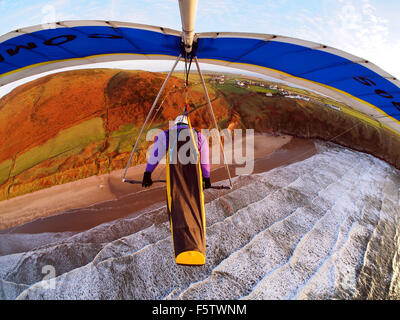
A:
(214, 121)
(148, 117)
(157, 113)
(188, 63)
(198, 107)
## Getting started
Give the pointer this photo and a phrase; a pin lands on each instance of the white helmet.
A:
(181, 119)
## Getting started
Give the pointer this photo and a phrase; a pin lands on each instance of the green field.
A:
(69, 139)
(5, 168)
(229, 87)
(123, 140)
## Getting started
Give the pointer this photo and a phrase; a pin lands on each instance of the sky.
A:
(365, 28)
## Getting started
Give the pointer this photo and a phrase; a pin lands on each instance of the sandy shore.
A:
(83, 204)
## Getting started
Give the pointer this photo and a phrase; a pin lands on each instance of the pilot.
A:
(160, 148)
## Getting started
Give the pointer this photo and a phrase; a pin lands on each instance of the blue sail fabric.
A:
(49, 45)
(33, 50)
(309, 64)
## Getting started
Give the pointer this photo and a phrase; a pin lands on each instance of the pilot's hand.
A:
(206, 183)
(147, 182)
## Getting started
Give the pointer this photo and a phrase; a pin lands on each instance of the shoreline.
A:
(99, 199)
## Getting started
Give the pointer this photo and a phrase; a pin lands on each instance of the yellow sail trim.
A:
(200, 180)
(77, 59)
(169, 198)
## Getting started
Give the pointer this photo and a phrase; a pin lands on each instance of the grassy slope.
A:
(99, 138)
(5, 168)
(74, 145)
(74, 138)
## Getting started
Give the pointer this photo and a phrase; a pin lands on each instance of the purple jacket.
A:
(160, 147)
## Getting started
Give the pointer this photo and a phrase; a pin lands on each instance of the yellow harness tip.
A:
(193, 258)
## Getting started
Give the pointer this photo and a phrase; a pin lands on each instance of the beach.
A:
(83, 204)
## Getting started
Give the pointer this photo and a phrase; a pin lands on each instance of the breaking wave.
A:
(323, 228)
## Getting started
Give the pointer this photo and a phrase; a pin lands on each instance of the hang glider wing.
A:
(33, 50)
(349, 79)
